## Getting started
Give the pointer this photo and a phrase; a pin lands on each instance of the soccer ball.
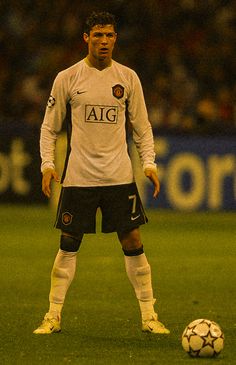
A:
(203, 338)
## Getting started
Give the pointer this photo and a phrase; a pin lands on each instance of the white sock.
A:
(63, 272)
(139, 274)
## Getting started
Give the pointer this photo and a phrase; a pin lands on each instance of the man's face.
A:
(101, 41)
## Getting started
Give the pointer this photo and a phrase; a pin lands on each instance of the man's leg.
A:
(62, 274)
(139, 274)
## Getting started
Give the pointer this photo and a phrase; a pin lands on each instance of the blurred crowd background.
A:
(184, 52)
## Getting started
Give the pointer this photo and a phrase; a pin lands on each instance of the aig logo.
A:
(101, 114)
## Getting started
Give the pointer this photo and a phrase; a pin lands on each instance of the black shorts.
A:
(120, 206)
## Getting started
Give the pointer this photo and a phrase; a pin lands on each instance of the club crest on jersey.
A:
(51, 101)
(67, 218)
(118, 91)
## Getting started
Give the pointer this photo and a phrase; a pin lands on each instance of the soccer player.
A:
(98, 173)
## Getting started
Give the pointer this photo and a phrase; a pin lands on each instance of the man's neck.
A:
(98, 64)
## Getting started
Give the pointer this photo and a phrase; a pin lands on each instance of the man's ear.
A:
(86, 37)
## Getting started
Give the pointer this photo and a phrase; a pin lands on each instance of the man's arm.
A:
(54, 116)
(142, 133)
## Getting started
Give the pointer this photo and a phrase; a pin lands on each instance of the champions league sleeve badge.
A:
(51, 101)
(118, 91)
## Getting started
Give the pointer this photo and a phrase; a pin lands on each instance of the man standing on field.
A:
(98, 171)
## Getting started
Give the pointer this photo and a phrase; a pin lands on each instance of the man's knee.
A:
(70, 243)
(131, 241)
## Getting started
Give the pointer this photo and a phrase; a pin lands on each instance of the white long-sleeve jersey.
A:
(97, 146)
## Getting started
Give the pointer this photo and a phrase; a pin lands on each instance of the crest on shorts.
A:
(118, 91)
(66, 218)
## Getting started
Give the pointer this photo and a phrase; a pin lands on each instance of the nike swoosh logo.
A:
(81, 92)
(134, 218)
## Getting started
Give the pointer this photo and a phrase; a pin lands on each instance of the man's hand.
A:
(48, 176)
(152, 175)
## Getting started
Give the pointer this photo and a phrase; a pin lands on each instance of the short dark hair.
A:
(99, 18)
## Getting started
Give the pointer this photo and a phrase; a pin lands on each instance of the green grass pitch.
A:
(193, 259)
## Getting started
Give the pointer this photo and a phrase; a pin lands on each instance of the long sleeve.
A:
(142, 130)
(54, 116)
